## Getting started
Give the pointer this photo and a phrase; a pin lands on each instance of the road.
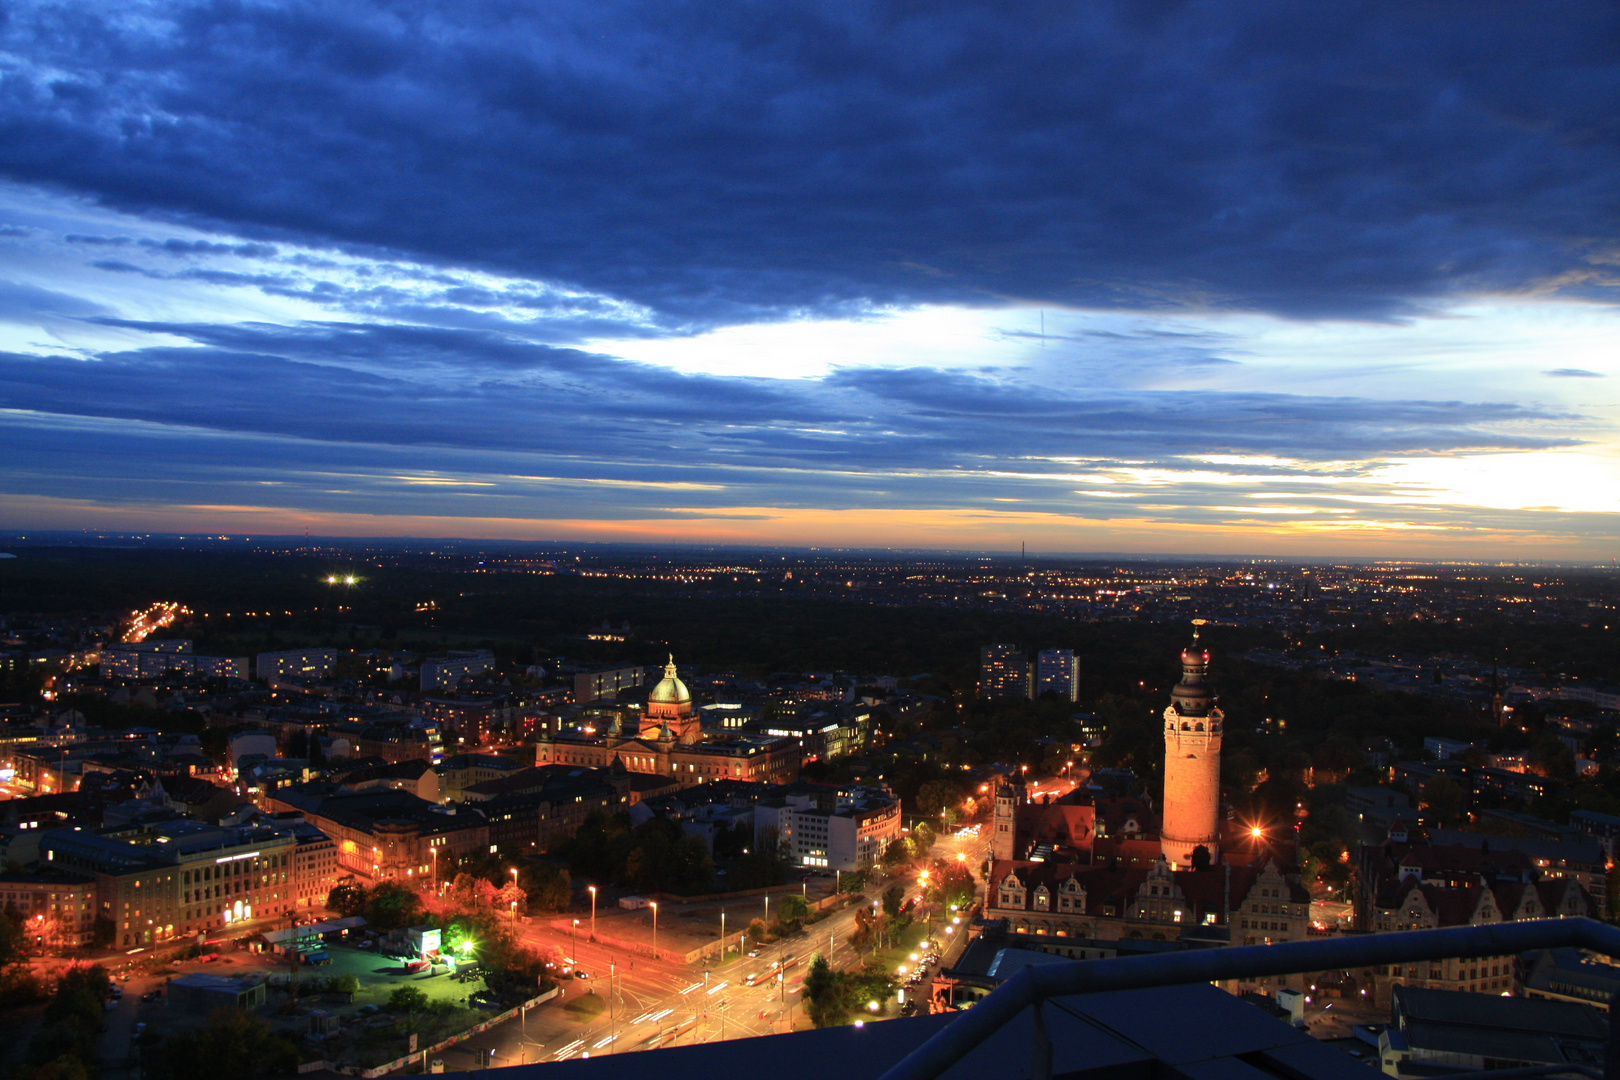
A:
(660, 1003)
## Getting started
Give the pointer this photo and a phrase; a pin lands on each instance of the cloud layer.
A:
(1192, 275)
(718, 162)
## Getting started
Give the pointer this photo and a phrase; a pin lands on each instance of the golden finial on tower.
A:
(1196, 624)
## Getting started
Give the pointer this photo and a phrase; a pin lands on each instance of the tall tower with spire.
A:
(1192, 762)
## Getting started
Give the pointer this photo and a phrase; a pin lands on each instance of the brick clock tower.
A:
(1192, 762)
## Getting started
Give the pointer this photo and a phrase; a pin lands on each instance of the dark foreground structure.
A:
(1131, 1018)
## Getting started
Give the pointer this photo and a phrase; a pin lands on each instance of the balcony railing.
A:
(1032, 986)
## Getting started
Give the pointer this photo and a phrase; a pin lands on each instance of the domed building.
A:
(669, 705)
(669, 742)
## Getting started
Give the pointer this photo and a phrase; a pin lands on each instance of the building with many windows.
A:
(1004, 672)
(1058, 671)
(56, 907)
(828, 827)
(295, 664)
(180, 878)
(670, 741)
(607, 682)
(149, 659)
(447, 671)
(387, 834)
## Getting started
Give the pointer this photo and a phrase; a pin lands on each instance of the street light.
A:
(722, 935)
(654, 905)
(576, 935)
(593, 912)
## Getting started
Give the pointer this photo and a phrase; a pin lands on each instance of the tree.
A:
(13, 942)
(407, 999)
(1444, 798)
(1200, 858)
(347, 898)
(951, 882)
(391, 905)
(792, 910)
(235, 1045)
(821, 993)
(550, 888)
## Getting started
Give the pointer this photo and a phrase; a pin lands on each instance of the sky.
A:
(1254, 279)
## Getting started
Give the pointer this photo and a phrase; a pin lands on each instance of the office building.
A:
(590, 686)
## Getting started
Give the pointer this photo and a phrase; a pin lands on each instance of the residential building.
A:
(272, 667)
(56, 907)
(1058, 671)
(150, 659)
(447, 671)
(1004, 672)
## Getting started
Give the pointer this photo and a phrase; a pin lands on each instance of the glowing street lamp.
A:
(593, 912)
(654, 905)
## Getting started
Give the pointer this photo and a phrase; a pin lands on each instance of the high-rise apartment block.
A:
(1058, 670)
(1004, 672)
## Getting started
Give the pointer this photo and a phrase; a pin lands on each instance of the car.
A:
(152, 995)
(364, 945)
(753, 954)
(581, 975)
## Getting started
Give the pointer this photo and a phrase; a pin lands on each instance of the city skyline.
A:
(1165, 280)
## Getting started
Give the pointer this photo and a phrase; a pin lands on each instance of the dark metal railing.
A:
(1034, 985)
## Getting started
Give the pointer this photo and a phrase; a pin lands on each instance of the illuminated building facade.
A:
(670, 742)
(180, 880)
(56, 908)
(1192, 763)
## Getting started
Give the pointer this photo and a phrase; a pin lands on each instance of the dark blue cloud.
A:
(468, 390)
(720, 162)
(1572, 373)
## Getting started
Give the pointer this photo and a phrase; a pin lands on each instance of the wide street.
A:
(660, 1003)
